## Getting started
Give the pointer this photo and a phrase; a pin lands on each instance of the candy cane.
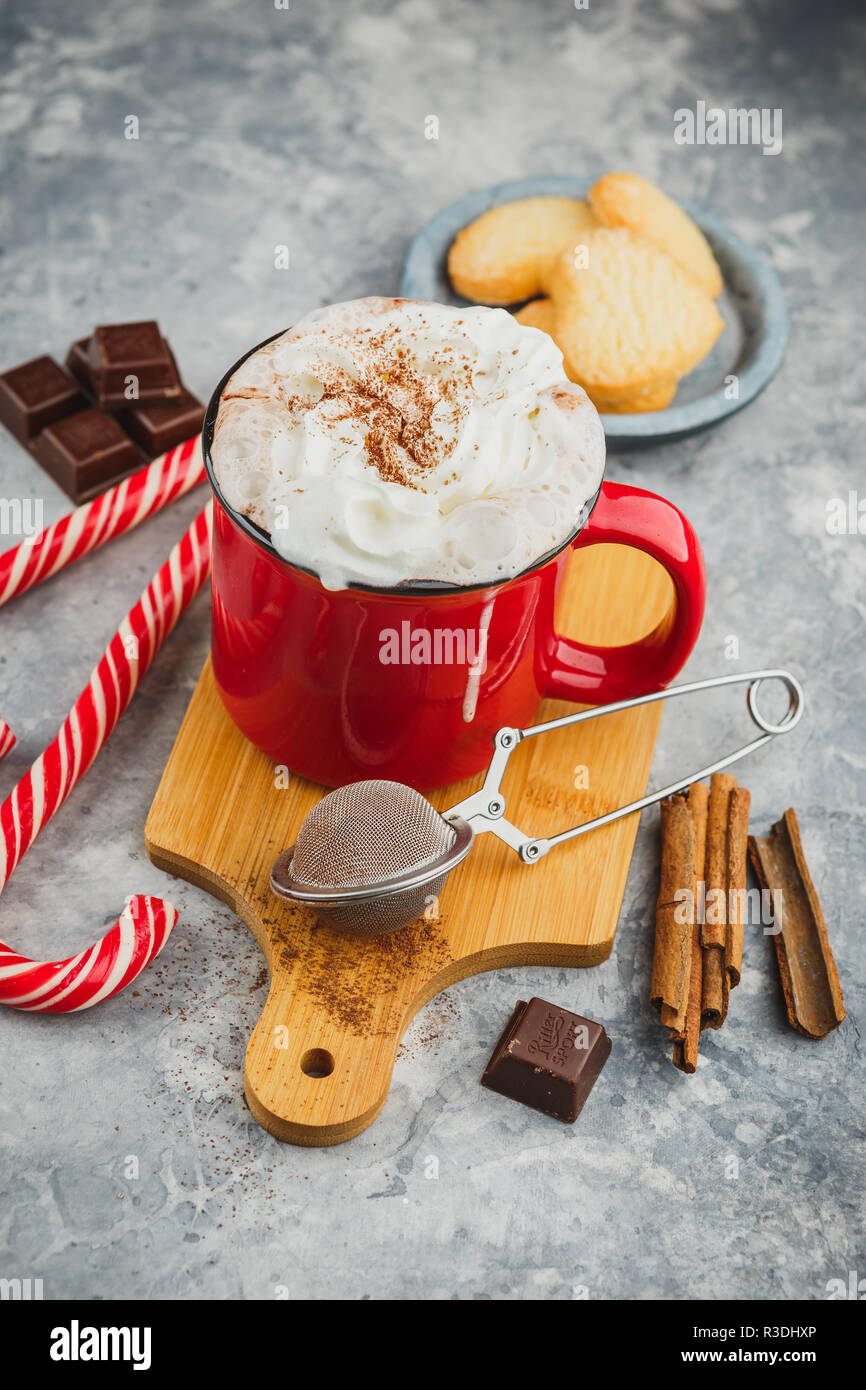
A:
(145, 923)
(117, 510)
(7, 739)
(64, 986)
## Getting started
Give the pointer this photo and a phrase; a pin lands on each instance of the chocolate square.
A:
(85, 453)
(548, 1058)
(156, 427)
(78, 363)
(35, 395)
(131, 358)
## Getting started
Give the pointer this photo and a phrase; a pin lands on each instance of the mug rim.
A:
(408, 588)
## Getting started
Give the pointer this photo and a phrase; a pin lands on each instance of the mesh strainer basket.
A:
(371, 833)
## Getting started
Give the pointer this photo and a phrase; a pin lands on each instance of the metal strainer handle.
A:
(485, 809)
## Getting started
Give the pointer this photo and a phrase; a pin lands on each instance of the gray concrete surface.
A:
(129, 1164)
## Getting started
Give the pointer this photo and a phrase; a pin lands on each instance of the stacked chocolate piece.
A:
(117, 402)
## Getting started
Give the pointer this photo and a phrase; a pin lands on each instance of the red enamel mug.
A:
(411, 683)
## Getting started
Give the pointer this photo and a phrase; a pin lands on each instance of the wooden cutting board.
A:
(319, 1062)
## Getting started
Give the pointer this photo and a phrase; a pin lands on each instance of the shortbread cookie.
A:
(656, 397)
(627, 200)
(500, 258)
(541, 313)
(628, 317)
(538, 313)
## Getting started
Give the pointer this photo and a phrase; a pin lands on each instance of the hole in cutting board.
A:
(317, 1063)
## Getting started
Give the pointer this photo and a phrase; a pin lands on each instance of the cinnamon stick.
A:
(675, 916)
(714, 929)
(700, 932)
(685, 1051)
(810, 980)
(738, 835)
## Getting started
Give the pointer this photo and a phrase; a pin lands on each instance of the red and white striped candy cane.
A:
(64, 986)
(117, 510)
(7, 739)
(144, 926)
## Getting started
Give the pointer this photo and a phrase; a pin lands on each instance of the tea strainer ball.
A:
(371, 857)
(382, 845)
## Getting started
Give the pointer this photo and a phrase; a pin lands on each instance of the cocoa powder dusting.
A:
(392, 400)
(359, 981)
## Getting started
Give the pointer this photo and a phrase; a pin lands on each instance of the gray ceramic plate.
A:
(750, 348)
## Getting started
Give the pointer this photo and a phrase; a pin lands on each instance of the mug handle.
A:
(593, 675)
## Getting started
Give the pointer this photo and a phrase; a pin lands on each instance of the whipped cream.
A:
(385, 440)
